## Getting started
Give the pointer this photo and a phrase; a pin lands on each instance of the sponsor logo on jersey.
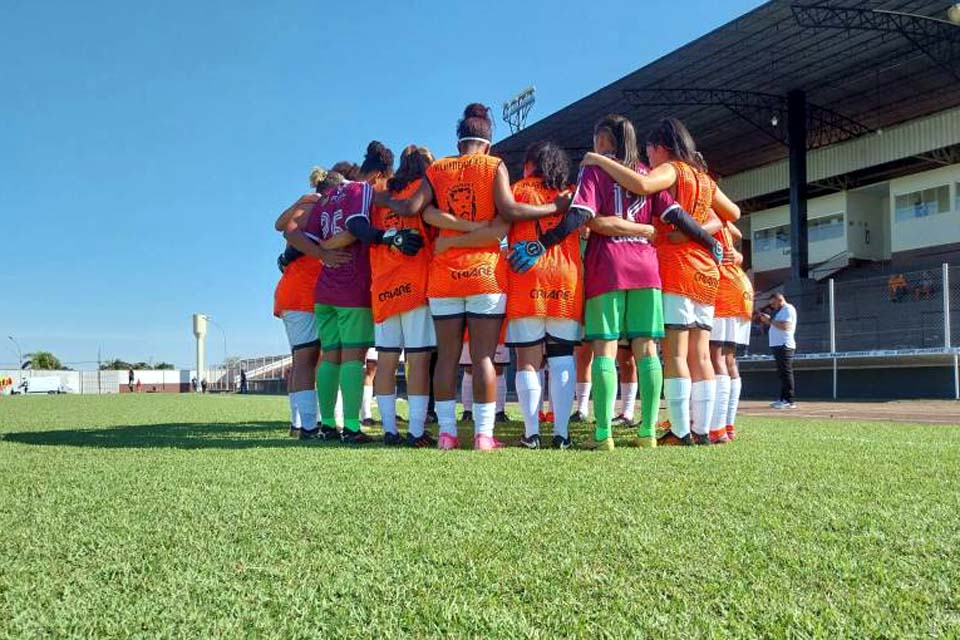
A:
(704, 279)
(404, 289)
(551, 294)
(480, 271)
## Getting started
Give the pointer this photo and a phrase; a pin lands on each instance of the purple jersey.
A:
(612, 263)
(349, 284)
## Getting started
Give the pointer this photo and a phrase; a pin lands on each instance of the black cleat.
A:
(391, 439)
(621, 421)
(501, 417)
(308, 434)
(432, 417)
(329, 434)
(533, 442)
(670, 439)
(701, 439)
(466, 416)
(369, 422)
(426, 441)
(559, 442)
(355, 437)
(578, 417)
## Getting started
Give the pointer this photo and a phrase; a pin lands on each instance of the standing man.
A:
(783, 325)
(130, 380)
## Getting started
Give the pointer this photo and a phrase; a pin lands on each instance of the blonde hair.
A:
(317, 175)
(321, 179)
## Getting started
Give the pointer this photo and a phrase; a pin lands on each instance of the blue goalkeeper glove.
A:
(525, 254)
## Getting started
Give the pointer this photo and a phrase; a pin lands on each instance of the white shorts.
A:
(730, 331)
(301, 329)
(483, 304)
(501, 356)
(411, 331)
(680, 312)
(526, 332)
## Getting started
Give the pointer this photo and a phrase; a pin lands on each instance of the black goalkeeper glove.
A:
(407, 241)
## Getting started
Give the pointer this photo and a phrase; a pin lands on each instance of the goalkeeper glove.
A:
(525, 254)
(407, 241)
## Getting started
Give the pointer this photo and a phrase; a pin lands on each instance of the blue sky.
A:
(148, 147)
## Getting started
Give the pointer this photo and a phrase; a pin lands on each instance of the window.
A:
(920, 204)
(773, 239)
(826, 228)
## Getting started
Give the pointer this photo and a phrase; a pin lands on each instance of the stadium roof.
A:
(863, 65)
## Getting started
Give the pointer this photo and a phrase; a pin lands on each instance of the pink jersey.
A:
(349, 284)
(613, 263)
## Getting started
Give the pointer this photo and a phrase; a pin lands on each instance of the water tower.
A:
(200, 331)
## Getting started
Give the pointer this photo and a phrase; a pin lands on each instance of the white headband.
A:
(471, 139)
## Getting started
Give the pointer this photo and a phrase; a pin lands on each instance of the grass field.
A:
(183, 516)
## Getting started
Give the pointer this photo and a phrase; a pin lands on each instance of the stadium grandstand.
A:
(836, 127)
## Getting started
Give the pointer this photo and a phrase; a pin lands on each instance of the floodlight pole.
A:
(833, 333)
(19, 360)
(797, 135)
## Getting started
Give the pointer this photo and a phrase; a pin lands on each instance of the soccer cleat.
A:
(533, 442)
(329, 434)
(355, 437)
(699, 439)
(559, 442)
(466, 416)
(425, 441)
(484, 442)
(731, 432)
(787, 405)
(600, 445)
(578, 417)
(432, 417)
(369, 422)
(392, 439)
(448, 442)
(645, 442)
(670, 439)
(501, 417)
(308, 434)
(294, 432)
(776, 404)
(622, 421)
(719, 436)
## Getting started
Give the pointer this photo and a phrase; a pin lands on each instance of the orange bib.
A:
(735, 293)
(294, 292)
(463, 186)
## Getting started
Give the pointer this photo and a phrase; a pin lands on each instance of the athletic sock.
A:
(677, 393)
(543, 390)
(484, 415)
(447, 416)
(328, 386)
(628, 399)
(563, 375)
(294, 411)
(418, 414)
(351, 383)
(650, 375)
(366, 407)
(338, 408)
(501, 392)
(736, 384)
(605, 394)
(466, 392)
(388, 411)
(307, 408)
(703, 397)
(719, 419)
(583, 397)
(529, 393)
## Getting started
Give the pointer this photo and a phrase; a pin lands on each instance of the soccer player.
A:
(342, 296)
(583, 355)
(400, 311)
(466, 280)
(627, 372)
(689, 271)
(293, 303)
(731, 330)
(545, 302)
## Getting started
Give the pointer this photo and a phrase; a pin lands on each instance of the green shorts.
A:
(344, 327)
(625, 314)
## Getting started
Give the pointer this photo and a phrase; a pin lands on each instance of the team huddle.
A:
(443, 262)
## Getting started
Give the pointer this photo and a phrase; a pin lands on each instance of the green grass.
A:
(195, 517)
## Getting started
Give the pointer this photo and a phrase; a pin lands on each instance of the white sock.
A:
(563, 376)
(388, 411)
(484, 414)
(719, 420)
(529, 393)
(366, 407)
(502, 392)
(545, 392)
(338, 409)
(703, 397)
(676, 391)
(418, 414)
(628, 399)
(447, 416)
(736, 384)
(294, 411)
(306, 402)
(583, 397)
(466, 392)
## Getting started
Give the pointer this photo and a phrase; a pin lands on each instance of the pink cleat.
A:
(486, 443)
(448, 442)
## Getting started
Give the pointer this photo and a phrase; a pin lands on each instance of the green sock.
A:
(328, 383)
(604, 394)
(351, 382)
(650, 373)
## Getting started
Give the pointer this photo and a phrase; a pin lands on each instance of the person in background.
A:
(203, 385)
(243, 381)
(130, 379)
(783, 325)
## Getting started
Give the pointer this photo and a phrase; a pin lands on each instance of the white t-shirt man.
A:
(784, 337)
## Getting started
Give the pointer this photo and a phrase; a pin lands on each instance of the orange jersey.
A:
(686, 269)
(294, 292)
(399, 282)
(735, 293)
(463, 186)
(554, 286)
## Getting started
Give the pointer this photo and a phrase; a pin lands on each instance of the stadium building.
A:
(836, 127)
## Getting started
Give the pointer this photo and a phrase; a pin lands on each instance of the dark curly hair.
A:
(624, 138)
(413, 165)
(672, 135)
(476, 122)
(550, 162)
(349, 170)
(378, 158)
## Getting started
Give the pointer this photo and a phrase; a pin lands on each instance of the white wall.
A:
(867, 215)
(928, 231)
(818, 251)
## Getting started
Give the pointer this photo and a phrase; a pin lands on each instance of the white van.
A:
(43, 384)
